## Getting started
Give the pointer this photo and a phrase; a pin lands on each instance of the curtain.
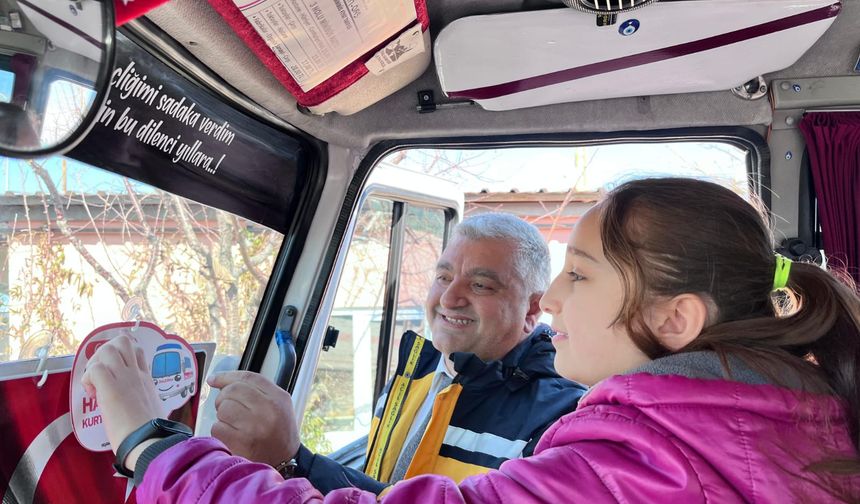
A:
(23, 66)
(833, 144)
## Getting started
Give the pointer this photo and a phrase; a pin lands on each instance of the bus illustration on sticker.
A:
(172, 371)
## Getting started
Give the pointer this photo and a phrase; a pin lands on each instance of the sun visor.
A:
(528, 59)
(335, 55)
(160, 128)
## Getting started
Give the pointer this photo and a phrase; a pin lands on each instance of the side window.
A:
(77, 243)
(340, 405)
(389, 236)
(552, 186)
(423, 240)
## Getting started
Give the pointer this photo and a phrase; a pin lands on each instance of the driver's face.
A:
(477, 302)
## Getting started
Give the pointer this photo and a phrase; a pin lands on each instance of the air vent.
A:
(606, 6)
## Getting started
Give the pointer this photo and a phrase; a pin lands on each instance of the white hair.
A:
(531, 255)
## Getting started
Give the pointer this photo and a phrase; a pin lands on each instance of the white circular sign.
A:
(172, 367)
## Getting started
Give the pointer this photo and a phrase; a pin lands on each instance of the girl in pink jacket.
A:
(720, 373)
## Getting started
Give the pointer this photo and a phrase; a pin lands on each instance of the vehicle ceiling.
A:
(197, 27)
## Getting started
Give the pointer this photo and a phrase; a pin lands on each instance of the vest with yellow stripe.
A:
(492, 412)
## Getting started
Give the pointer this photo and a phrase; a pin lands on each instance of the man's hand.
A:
(255, 417)
(119, 378)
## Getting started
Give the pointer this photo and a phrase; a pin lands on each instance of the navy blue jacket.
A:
(492, 412)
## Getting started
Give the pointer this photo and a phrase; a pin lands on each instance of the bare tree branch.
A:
(190, 236)
(153, 242)
(60, 219)
(243, 248)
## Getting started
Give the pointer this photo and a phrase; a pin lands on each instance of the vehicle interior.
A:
(40, 49)
(355, 179)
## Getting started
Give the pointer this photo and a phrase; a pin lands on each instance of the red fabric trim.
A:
(325, 90)
(126, 10)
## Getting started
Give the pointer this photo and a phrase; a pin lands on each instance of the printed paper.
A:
(314, 39)
(408, 45)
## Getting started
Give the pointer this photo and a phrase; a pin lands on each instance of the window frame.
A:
(307, 353)
(321, 301)
(392, 285)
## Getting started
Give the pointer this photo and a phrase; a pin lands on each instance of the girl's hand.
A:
(119, 378)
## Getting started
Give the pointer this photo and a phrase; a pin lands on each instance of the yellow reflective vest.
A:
(491, 413)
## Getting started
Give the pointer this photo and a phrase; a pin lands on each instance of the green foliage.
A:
(314, 423)
(38, 300)
(313, 435)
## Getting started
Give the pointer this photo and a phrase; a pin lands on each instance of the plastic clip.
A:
(132, 311)
(42, 367)
(135, 315)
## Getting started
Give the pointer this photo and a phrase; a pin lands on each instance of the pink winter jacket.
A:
(634, 438)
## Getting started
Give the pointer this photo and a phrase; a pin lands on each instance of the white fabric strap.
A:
(484, 442)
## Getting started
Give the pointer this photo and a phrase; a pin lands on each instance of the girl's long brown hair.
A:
(672, 236)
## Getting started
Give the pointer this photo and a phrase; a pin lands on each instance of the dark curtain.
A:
(833, 143)
(23, 66)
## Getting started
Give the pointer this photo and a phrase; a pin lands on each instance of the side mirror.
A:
(55, 68)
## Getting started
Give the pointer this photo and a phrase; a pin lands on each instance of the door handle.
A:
(286, 347)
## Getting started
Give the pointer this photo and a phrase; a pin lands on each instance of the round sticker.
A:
(172, 367)
(629, 27)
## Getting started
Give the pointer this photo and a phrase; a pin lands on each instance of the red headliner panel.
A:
(128, 10)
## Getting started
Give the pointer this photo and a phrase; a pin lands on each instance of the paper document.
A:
(314, 39)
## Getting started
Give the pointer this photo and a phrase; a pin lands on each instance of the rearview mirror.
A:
(55, 63)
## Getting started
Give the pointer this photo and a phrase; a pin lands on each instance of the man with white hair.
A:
(480, 392)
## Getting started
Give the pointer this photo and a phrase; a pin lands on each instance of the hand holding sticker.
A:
(134, 378)
(118, 378)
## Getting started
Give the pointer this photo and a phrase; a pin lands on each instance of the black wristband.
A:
(153, 451)
(155, 428)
